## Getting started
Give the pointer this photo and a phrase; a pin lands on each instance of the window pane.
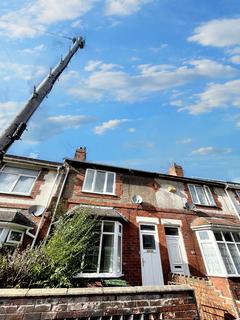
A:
(218, 236)
(99, 182)
(106, 264)
(20, 171)
(108, 226)
(201, 195)
(7, 181)
(171, 231)
(89, 180)
(226, 258)
(91, 257)
(147, 227)
(119, 255)
(193, 193)
(227, 236)
(210, 197)
(235, 256)
(148, 241)
(110, 182)
(24, 185)
(211, 258)
(15, 236)
(203, 235)
(236, 236)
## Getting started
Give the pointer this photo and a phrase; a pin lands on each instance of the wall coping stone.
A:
(10, 293)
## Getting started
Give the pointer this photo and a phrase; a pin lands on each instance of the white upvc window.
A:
(15, 180)
(221, 252)
(201, 195)
(105, 260)
(98, 181)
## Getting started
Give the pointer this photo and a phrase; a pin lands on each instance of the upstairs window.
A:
(17, 180)
(99, 181)
(201, 195)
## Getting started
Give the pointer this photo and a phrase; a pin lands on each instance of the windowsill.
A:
(16, 194)
(98, 275)
(100, 193)
(224, 276)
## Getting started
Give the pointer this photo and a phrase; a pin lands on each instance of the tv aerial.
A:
(36, 210)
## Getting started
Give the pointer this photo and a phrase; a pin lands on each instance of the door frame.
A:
(153, 222)
(182, 246)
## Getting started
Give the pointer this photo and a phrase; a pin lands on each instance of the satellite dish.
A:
(36, 210)
(137, 199)
(189, 206)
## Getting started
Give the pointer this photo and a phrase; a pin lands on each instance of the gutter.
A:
(58, 200)
(43, 215)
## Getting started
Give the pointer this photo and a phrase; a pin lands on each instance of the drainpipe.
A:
(48, 202)
(230, 199)
(58, 200)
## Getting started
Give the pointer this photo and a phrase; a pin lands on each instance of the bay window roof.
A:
(16, 217)
(215, 223)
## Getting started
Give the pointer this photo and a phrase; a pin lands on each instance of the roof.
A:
(216, 223)
(92, 165)
(27, 160)
(15, 217)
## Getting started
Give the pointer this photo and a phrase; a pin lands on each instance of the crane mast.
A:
(19, 124)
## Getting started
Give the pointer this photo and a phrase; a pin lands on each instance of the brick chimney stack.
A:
(176, 170)
(80, 154)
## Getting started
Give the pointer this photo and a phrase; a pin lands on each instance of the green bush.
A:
(53, 263)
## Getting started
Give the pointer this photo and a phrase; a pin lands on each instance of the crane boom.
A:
(19, 124)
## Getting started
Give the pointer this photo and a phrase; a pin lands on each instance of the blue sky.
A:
(158, 81)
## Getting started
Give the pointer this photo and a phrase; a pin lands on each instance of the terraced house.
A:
(155, 228)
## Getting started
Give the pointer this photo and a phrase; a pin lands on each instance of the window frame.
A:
(115, 273)
(9, 241)
(94, 181)
(214, 243)
(18, 176)
(206, 191)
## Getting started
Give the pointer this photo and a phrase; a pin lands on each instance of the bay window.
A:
(105, 259)
(201, 195)
(221, 251)
(98, 181)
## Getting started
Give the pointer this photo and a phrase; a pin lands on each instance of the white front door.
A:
(176, 251)
(150, 256)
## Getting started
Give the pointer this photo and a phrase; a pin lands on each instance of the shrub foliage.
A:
(53, 263)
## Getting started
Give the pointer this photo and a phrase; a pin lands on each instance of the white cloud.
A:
(9, 71)
(131, 130)
(109, 81)
(235, 59)
(123, 7)
(210, 150)
(177, 103)
(34, 155)
(109, 125)
(35, 50)
(40, 14)
(185, 141)
(44, 128)
(218, 33)
(216, 96)
(8, 111)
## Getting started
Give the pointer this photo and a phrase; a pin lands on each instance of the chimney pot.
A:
(176, 170)
(80, 154)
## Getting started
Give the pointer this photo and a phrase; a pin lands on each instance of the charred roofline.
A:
(92, 165)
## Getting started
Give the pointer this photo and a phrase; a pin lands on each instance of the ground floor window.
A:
(221, 251)
(105, 259)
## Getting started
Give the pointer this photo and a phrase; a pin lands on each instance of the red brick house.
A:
(155, 224)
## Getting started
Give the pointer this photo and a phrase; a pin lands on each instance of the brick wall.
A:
(170, 302)
(214, 299)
